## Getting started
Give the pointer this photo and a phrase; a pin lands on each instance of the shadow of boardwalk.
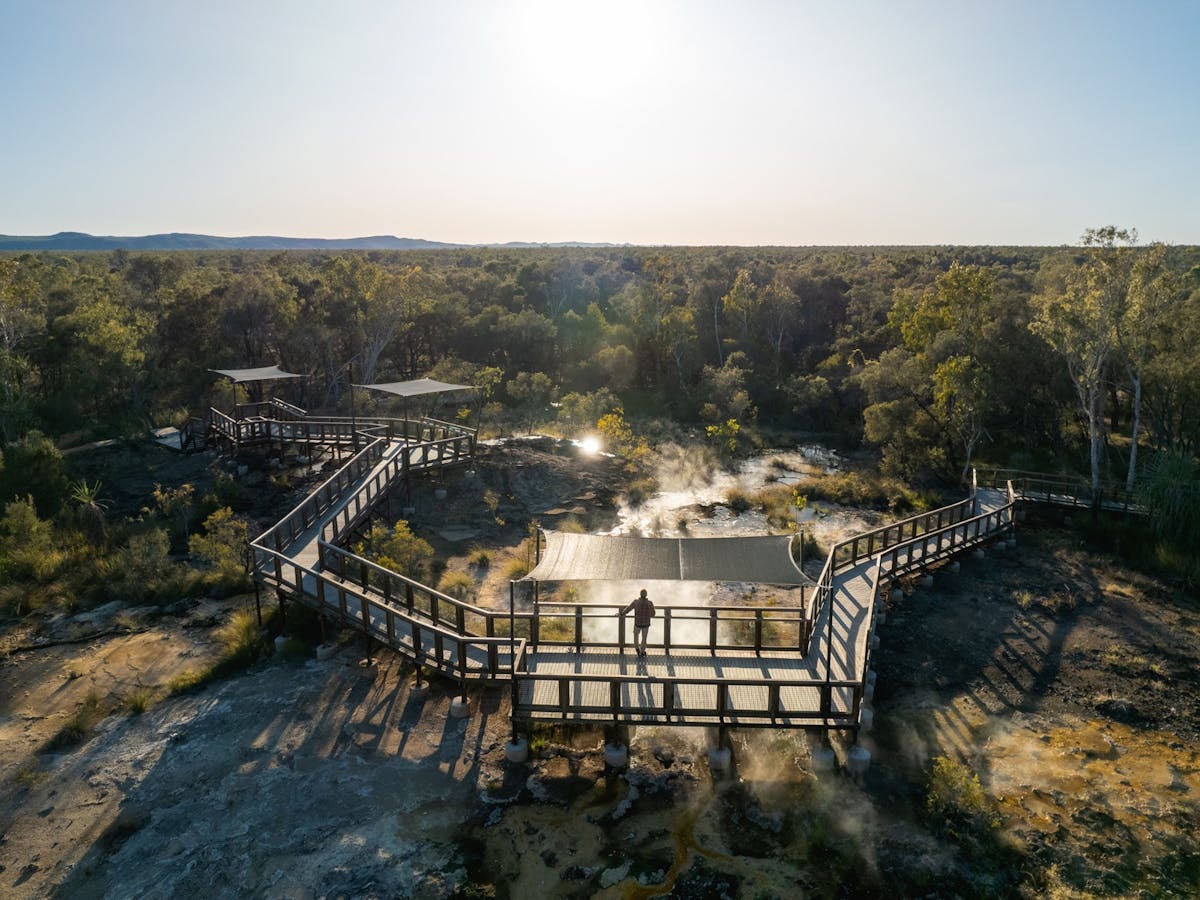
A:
(295, 778)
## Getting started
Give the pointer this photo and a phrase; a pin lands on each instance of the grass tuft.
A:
(138, 700)
(78, 728)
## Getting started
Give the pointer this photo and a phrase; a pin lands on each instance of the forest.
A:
(1055, 359)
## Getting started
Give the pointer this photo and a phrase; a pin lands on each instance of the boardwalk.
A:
(775, 667)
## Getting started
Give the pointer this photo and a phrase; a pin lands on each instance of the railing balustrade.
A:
(461, 655)
(686, 699)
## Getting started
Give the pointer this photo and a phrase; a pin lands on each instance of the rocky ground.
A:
(1064, 679)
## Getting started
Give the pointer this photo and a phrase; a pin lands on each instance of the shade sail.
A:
(266, 373)
(589, 557)
(418, 388)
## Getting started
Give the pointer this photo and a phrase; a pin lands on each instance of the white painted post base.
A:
(418, 690)
(616, 755)
(869, 693)
(866, 719)
(439, 493)
(874, 642)
(719, 759)
(871, 676)
(460, 707)
(516, 752)
(926, 581)
(955, 567)
(880, 615)
(979, 554)
(858, 761)
(897, 595)
(326, 651)
(279, 642)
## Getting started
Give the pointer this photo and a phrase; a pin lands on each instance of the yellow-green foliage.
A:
(138, 700)
(456, 584)
(240, 637)
(176, 505)
(516, 568)
(222, 545)
(864, 490)
(27, 549)
(619, 437)
(187, 680)
(241, 643)
(571, 525)
(956, 800)
(398, 549)
(139, 569)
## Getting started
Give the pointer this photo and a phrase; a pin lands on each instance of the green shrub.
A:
(27, 546)
(398, 549)
(141, 568)
(223, 547)
(956, 801)
(33, 467)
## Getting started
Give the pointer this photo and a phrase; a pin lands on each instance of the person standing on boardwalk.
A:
(643, 614)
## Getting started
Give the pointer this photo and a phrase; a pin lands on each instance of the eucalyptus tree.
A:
(1077, 314)
(1153, 289)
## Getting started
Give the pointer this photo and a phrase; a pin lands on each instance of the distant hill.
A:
(77, 240)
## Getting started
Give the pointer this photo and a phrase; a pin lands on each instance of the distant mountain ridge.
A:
(78, 240)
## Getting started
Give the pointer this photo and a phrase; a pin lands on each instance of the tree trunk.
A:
(717, 332)
(1133, 443)
(1095, 432)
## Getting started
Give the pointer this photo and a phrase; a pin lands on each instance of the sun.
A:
(590, 445)
(578, 50)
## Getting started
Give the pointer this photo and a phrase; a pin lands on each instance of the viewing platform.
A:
(805, 665)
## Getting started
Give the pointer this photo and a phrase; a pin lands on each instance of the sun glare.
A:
(579, 50)
(590, 445)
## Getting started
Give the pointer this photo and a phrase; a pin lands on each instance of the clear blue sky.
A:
(672, 122)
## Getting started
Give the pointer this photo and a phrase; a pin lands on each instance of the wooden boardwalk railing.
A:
(801, 665)
(1062, 490)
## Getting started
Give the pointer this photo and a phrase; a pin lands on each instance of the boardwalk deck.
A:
(821, 682)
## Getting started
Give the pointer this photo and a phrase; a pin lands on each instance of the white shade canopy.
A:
(265, 373)
(589, 557)
(417, 388)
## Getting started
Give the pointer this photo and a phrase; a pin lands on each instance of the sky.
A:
(695, 122)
